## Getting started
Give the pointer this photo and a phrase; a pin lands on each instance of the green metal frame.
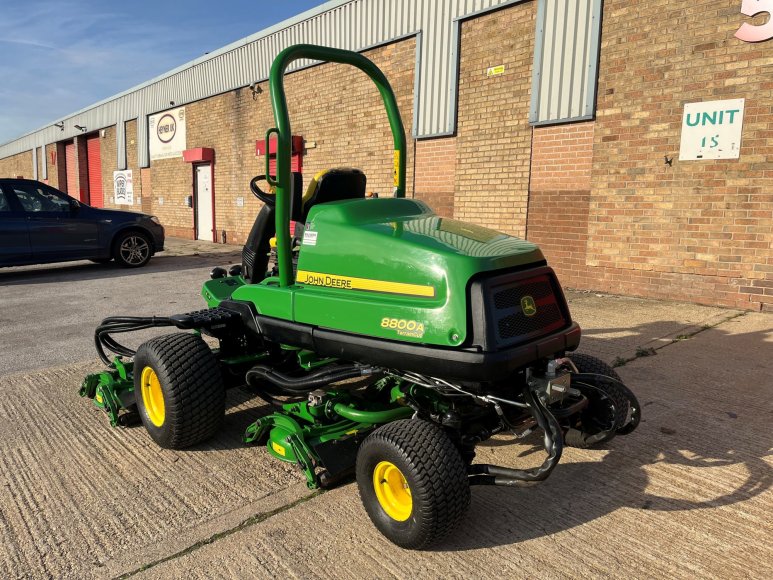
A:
(283, 133)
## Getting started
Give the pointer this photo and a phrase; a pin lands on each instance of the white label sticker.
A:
(309, 238)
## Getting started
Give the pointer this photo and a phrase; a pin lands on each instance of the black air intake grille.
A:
(525, 310)
(518, 308)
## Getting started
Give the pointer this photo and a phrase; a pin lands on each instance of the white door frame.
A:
(203, 203)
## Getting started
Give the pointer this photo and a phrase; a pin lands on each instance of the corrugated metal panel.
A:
(351, 24)
(565, 61)
(120, 139)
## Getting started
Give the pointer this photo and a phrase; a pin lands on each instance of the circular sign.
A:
(166, 128)
(120, 187)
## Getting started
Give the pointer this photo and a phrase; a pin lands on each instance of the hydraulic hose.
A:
(483, 474)
(116, 324)
(308, 382)
(372, 417)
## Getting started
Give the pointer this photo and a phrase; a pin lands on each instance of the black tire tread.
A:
(116, 253)
(194, 396)
(612, 387)
(438, 471)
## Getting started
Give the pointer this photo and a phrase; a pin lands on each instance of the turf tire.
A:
(193, 389)
(613, 388)
(435, 474)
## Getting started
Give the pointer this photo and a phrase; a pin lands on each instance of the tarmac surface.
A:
(687, 495)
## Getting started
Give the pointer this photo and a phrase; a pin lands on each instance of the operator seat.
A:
(327, 186)
(334, 185)
(255, 253)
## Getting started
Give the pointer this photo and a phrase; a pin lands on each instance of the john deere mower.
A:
(388, 343)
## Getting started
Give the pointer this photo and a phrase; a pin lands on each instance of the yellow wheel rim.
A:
(392, 491)
(152, 396)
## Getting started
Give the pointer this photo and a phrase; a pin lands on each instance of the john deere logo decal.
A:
(528, 306)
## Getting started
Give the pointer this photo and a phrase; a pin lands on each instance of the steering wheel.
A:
(267, 197)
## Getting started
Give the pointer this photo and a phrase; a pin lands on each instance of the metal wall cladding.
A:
(565, 60)
(349, 24)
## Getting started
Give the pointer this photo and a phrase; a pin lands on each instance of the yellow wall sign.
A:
(397, 168)
(493, 71)
(350, 283)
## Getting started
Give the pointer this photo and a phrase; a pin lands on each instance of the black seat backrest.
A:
(336, 185)
(255, 252)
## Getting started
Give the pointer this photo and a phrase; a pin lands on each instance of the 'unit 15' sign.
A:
(750, 32)
(712, 130)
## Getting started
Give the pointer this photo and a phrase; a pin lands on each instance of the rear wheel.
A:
(609, 409)
(132, 249)
(179, 390)
(412, 482)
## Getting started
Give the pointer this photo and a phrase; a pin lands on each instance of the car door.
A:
(58, 229)
(14, 233)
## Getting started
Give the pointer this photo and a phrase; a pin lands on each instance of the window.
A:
(5, 205)
(34, 198)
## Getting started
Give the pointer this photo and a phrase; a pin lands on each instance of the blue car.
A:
(40, 224)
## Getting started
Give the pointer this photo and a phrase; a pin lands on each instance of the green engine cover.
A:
(388, 268)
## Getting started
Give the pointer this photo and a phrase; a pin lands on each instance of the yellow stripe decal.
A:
(350, 283)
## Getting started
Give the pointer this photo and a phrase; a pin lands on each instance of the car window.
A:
(34, 198)
(5, 205)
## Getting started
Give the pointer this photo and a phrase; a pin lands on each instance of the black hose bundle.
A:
(308, 382)
(116, 324)
(483, 474)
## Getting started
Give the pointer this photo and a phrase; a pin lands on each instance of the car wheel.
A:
(132, 249)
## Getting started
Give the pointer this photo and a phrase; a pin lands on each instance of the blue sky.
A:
(59, 56)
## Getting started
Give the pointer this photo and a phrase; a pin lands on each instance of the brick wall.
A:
(494, 136)
(435, 173)
(52, 165)
(16, 165)
(609, 213)
(559, 198)
(697, 230)
(336, 107)
(107, 151)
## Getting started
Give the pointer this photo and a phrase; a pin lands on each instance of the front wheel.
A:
(412, 482)
(132, 249)
(612, 407)
(179, 390)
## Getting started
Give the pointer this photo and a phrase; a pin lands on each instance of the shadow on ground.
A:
(704, 443)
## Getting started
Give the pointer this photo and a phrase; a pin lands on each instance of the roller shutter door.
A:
(96, 198)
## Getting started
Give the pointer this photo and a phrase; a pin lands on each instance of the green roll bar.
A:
(282, 182)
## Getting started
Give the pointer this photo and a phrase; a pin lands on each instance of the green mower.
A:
(387, 341)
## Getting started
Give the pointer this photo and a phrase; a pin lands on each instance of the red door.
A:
(95, 171)
(71, 169)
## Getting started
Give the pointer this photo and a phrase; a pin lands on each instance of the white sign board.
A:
(166, 134)
(712, 130)
(123, 188)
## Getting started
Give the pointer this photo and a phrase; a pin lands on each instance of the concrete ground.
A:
(687, 495)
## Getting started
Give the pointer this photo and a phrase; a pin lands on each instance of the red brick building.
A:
(564, 122)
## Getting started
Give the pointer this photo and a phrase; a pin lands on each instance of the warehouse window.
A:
(566, 54)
